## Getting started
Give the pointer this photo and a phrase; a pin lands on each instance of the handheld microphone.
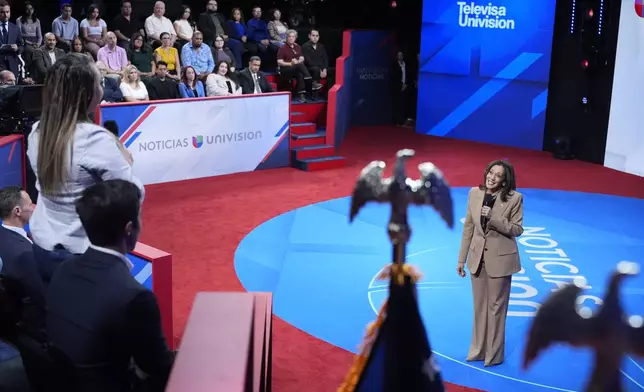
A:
(112, 126)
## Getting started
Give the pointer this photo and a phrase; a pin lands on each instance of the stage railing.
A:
(226, 345)
(184, 139)
(153, 269)
(339, 101)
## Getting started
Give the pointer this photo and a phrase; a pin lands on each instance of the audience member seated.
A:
(198, 55)
(157, 24)
(221, 53)
(93, 30)
(125, 25)
(184, 27)
(31, 32)
(111, 91)
(45, 57)
(257, 31)
(16, 251)
(141, 56)
(190, 86)
(7, 78)
(161, 86)
(113, 56)
(106, 324)
(277, 28)
(317, 59)
(65, 28)
(12, 45)
(213, 24)
(169, 55)
(252, 80)
(237, 30)
(132, 87)
(291, 65)
(223, 82)
(78, 47)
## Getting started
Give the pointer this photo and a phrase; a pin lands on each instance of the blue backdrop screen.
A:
(484, 68)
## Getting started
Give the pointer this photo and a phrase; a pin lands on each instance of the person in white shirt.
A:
(132, 87)
(69, 153)
(156, 24)
(222, 82)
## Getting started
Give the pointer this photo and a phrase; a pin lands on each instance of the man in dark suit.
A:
(252, 80)
(98, 315)
(17, 255)
(45, 57)
(11, 44)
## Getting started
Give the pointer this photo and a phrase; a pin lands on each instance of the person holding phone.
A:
(11, 45)
(494, 219)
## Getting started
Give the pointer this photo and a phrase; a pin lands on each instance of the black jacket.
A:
(100, 317)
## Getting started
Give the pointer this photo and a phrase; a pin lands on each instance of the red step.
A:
(308, 152)
(314, 112)
(297, 117)
(301, 128)
(325, 163)
(308, 139)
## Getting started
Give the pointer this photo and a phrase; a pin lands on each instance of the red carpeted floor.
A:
(202, 221)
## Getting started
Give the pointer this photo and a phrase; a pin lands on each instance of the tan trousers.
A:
(491, 297)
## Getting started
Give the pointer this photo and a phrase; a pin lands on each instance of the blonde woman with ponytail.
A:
(69, 153)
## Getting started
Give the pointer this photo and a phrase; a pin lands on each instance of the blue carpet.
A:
(322, 270)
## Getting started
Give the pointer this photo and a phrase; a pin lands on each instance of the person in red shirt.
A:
(291, 65)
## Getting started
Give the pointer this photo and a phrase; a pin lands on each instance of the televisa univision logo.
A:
(487, 16)
(639, 8)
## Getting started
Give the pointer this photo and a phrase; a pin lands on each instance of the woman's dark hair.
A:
(90, 9)
(144, 47)
(24, 13)
(163, 35)
(184, 76)
(509, 184)
(83, 51)
(222, 38)
(271, 14)
(229, 74)
(241, 14)
(185, 8)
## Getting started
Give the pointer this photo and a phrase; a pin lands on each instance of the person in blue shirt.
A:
(257, 33)
(190, 86)
(238, 31)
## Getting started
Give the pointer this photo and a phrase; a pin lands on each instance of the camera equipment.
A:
(20, 108)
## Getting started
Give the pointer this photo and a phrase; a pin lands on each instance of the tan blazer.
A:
(498, 245)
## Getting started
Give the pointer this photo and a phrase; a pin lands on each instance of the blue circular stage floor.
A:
(321, 270)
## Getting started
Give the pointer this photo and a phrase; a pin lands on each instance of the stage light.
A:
(584, 100)
(572, 17)
(590, 14)
(584, 64)
(393, 4)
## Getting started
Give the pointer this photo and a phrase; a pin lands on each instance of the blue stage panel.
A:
(484, 70)
(322, 272)
(141, 270)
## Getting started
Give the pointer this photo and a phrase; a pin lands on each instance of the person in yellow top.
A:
(166, 52)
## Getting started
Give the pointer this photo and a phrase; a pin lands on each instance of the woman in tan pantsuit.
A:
(494, 220)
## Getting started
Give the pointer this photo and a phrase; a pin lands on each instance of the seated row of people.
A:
(132, 87)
